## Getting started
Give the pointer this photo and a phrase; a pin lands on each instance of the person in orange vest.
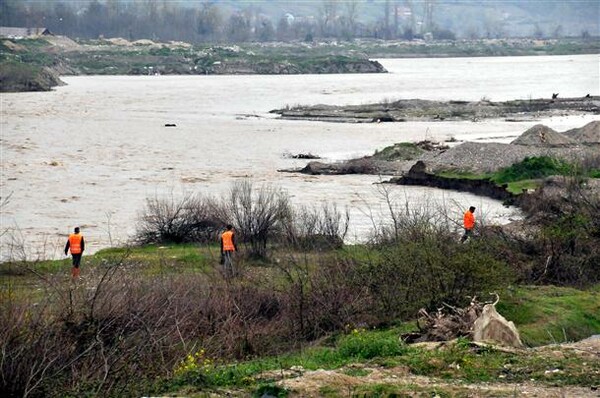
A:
(76, 244)
(468, 223)
(227, 248)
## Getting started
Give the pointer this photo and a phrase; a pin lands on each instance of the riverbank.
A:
(118, 56)
(470, 166)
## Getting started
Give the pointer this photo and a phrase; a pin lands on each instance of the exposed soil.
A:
(302, 383)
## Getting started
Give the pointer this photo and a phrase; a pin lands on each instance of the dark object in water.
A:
(170, 125)
(305, 156)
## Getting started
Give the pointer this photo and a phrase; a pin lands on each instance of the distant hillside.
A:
(269, 20)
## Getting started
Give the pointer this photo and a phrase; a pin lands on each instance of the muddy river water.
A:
(90, 153)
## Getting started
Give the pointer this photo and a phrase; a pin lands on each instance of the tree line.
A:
(212, 22)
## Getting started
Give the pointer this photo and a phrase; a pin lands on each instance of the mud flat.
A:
(426, 110)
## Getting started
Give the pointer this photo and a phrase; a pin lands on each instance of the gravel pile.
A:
(540, 135)
(489, 157)
(478, 157)
(588, 134)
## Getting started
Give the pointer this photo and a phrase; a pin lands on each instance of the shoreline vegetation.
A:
(59, 55)
(307, 314)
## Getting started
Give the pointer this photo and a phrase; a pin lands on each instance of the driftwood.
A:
(478, 322)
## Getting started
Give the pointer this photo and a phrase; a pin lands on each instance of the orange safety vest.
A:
(469, 220)
(75, 243)
(227, 238)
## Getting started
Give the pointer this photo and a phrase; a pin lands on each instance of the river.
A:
(90, 153)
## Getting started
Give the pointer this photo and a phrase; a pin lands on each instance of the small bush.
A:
(361, 345)
(168, 220)
(532, 168)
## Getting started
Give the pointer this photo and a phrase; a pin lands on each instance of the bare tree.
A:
(313, 227)
(209, 21)
(256, 213)
(328, 15)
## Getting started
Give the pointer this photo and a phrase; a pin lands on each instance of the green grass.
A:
(533, 168)
(517, 187)
(155, 259)
(525, 175)
(548, 314)
(456, 362)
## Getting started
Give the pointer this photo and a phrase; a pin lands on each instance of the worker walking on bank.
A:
(468, 223)
(228, 247)
(76, 244)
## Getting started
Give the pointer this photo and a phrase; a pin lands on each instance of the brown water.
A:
(89, 153)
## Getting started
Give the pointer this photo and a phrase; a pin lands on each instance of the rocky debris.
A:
(404, 151)
(478, 321)
(394, 160)
(540, 135)
(407, 159)
(493, 327)
(588, 134)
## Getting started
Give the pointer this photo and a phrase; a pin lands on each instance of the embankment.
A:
(418, 175)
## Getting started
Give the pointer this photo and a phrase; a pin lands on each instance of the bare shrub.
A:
(323, 227)
(321, 298)
(257, 213)
(408, 221)
(117, 331)
(566, 248)
(188, 219)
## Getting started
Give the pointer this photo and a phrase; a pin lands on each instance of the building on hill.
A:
(22, 33)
